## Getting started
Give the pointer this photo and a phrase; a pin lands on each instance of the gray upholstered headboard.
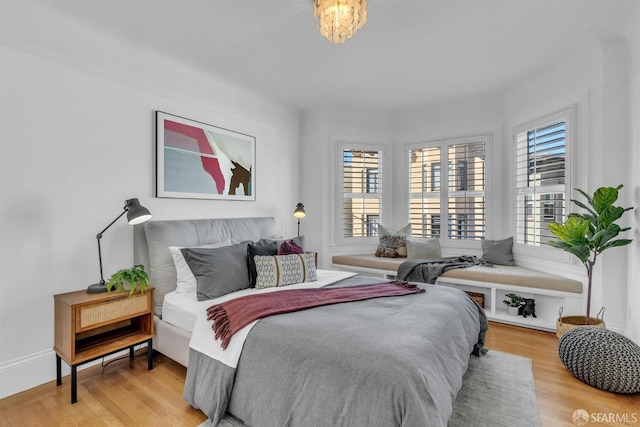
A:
(151, 241)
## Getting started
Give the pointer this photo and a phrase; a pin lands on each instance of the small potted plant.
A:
(129, 279)
(513, 303)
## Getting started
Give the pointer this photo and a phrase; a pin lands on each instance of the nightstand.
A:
(90, 326)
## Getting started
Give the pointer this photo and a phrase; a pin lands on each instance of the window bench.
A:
(550, 291)
(368, 264)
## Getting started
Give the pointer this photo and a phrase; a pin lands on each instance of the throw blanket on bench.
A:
(231, 316)
(428, 270)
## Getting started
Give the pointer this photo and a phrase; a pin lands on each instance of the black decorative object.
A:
(528, 308)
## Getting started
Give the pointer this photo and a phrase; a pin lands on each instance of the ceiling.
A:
(409, 53)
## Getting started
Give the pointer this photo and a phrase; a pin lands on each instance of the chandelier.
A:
(339, 20)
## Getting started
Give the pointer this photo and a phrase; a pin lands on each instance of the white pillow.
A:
(383, 230)
(186, 281)
(423, 248)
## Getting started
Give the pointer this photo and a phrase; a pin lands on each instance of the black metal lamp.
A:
(299, 213)
(136, 214)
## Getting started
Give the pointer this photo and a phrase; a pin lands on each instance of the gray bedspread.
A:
(428, 270)
(392, 361)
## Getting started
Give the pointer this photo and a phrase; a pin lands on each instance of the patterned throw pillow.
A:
(262, 247)
(283, 270)
(393, 244)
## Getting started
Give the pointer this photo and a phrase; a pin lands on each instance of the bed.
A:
(388, 361)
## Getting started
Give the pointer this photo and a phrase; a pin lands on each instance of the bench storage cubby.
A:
(550, 291)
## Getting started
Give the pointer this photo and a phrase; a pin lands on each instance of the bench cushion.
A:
(369, 261)
(515, 276)
(501, 274)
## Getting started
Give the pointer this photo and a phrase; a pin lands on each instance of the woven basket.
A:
(566, 323)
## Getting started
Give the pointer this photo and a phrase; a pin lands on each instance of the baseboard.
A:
(36, 369)
(628, 333)
(27, 372)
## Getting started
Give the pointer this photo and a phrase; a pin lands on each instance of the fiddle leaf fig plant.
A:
(132, 277)
(587, 235)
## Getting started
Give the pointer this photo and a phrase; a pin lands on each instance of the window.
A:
(459, 228)
(541, 176)
(462, 201)
(372, 225)
(435, 176)
(435, 225)
(361, 187)
(372, 180)
(459, 176)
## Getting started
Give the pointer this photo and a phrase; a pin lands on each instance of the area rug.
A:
(497, 390)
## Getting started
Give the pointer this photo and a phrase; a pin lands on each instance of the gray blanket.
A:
(428, 270)
(393, 361)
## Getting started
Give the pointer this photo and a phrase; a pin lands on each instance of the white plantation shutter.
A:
(362, 179)
(465, 201)
(424, 191)
(541, 175)
(458, 194)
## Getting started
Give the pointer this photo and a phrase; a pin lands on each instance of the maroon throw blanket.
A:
(231, 316)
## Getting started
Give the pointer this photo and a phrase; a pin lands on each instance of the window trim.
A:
(569, 113)
(443, 143)
(337, 221)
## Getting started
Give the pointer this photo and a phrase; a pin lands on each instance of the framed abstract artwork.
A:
(199, 161)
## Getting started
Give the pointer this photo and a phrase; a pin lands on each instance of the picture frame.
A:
(196, 160)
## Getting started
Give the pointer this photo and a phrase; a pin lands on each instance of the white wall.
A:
(455, 118)
(633, 184)
(570, 82)
(633, 188)
(76, 140)
(321, 131)
(593, 79)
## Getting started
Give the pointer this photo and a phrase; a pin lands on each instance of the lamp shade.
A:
(136, 213)
(299, 212)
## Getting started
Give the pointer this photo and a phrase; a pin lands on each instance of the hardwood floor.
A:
(559, 393)
(126, 394)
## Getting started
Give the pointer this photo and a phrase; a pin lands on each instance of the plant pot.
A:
(566, 323)
(512, 311)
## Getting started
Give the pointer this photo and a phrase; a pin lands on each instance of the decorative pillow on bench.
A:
(393, 244)
(418, 248)
(498, 251)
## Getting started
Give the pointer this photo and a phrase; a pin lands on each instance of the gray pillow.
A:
(423, 248)
(218, 271)
(498, 251)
